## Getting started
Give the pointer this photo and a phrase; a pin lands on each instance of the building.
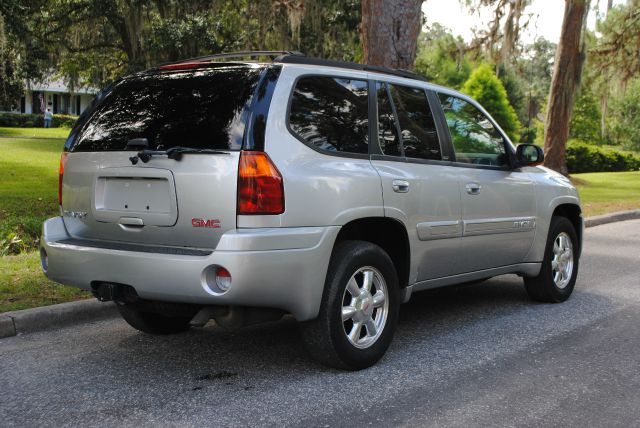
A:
(55, 95)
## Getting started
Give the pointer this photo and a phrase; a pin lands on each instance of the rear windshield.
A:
(198, 109)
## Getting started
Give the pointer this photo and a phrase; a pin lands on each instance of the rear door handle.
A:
(473, 188)
(400, 186)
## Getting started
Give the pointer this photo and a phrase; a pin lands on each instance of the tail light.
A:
(63, 160)
(260, 188)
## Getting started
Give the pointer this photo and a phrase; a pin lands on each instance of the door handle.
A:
(400, 186)
(473, 188)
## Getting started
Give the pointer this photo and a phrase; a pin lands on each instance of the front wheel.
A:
(557, 277)
(359, 308)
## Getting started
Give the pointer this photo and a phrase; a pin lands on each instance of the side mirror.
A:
(529, 154)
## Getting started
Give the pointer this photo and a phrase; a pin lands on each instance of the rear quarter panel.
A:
(320, 189)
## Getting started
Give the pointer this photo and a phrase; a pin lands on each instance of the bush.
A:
(486, 88)
(24, 120)
(582, 157)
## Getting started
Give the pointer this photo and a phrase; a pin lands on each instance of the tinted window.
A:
(474, 137)
(387, 126)
(199, 109)
(417, 127)
(331, 113)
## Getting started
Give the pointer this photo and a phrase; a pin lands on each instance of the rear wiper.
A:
(174, 153)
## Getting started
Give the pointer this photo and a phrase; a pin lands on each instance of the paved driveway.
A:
(466, 356)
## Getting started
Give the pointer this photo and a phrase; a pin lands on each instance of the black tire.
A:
(543, 287)
(152, 323)
(325, 337)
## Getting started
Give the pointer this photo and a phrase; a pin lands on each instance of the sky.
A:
(546, 20)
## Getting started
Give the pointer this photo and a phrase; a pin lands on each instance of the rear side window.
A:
(199, 109)
(331, 113)
(405, 123)
(417, 127)
(475, 139)
(388, 136)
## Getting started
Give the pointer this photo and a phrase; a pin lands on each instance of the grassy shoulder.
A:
(34, 132)
(23, 285)
(28, 187)
(606, 192)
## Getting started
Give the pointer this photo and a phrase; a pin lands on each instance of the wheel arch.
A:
(573, 213)
(389, 234)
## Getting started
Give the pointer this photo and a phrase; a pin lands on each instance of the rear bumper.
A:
(282, 268)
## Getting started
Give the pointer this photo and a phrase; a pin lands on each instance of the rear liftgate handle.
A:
(400, 186)
(131, 223)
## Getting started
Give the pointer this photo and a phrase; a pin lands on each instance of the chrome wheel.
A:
(365, 306)
(562, 261)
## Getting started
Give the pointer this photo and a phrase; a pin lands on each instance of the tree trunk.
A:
(567, 71)
(604, 98)
(390, 30)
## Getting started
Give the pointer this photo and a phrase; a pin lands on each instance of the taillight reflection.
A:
(63, 161)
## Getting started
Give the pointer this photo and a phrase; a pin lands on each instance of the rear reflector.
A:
(63, 161)
(260, 188)
(223, 279)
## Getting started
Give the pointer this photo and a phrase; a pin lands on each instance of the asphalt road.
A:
(467, 356)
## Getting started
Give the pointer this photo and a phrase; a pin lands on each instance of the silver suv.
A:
(240, 191)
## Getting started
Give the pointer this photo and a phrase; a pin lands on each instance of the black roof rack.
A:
(293, 57)
(275, 56)
(297, 59)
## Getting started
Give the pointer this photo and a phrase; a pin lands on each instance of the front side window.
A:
(475, 139)
(331, 113)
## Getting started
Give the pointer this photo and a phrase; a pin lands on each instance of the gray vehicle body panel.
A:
(281, 261)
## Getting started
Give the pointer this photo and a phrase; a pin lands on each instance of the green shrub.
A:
(486, 88)
(583, 157)
(24, 120)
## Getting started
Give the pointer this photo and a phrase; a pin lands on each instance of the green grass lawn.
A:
(605, 192)
(28, 195)
(35, 132)
(28, 185)
(23, 285)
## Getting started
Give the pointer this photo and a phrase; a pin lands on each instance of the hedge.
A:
(23, 120)
(583, 157)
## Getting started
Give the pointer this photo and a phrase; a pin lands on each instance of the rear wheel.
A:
(359, 309)
(152, 323)
(559, 270)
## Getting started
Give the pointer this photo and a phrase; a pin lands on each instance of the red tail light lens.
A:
(260, 188)
(63, 160)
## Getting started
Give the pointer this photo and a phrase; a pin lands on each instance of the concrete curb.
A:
(610, 218)
(55, 316)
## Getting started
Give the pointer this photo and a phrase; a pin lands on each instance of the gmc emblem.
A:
(200, 222)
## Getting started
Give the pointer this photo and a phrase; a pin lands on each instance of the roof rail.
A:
(301, 59)
(275, 55)
(293, 57)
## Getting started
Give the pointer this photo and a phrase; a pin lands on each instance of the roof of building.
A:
(57, 84)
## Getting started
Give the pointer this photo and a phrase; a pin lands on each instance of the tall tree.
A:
(567, 71)
(390, 30)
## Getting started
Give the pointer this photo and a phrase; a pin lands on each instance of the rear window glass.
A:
(198, 109)
(331, 113)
